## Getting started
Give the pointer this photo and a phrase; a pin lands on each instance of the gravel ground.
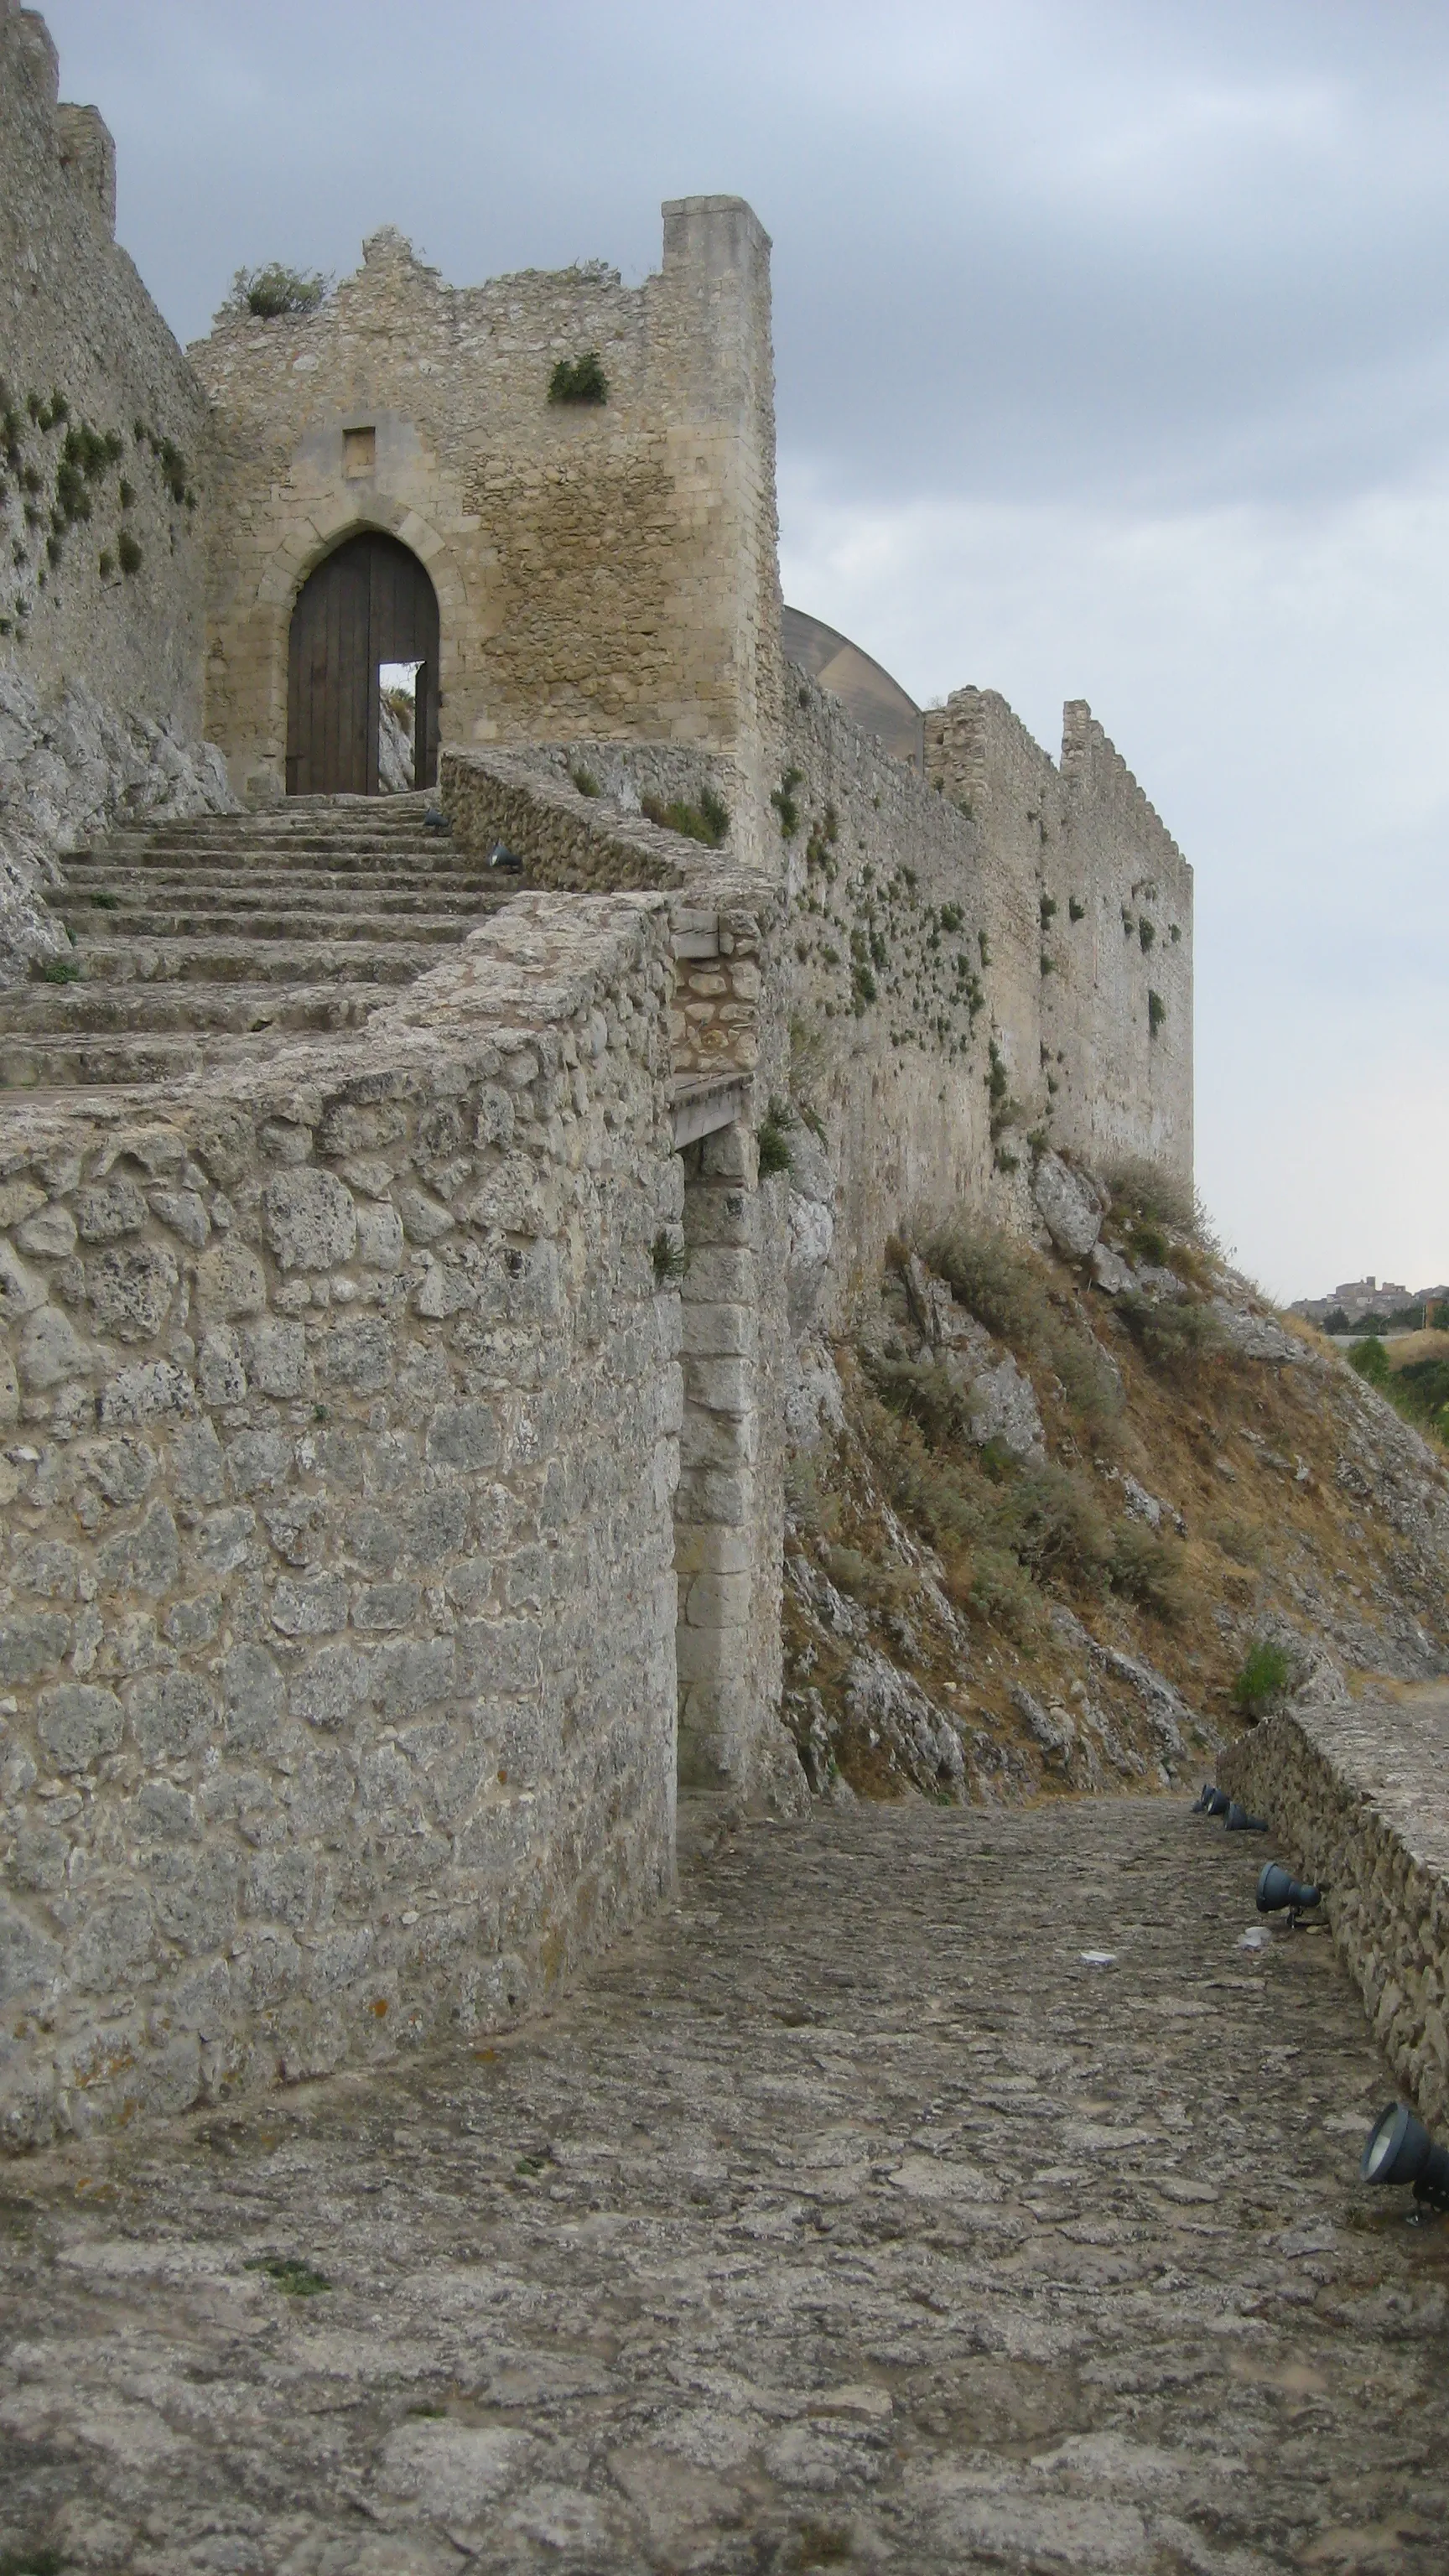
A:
(848, 2215)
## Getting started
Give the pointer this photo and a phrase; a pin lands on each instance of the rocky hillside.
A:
(1065, 1516)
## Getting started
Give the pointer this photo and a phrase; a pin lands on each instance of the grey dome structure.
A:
(868, 694)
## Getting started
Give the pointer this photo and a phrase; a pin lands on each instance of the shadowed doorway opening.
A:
(369, 603)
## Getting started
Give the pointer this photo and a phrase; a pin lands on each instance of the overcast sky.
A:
(1112, 346)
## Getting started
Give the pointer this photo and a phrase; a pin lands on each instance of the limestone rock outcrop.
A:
(69, 772)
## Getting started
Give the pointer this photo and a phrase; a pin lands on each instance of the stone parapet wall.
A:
(337, 1650)
(1359, 1800)
(579, 842)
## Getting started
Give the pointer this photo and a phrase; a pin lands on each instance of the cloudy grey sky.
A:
(1112, 340)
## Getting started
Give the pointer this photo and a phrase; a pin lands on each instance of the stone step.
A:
(220, 920)
(119, 1009)
(123, 898)
(241, 961)
(91, 1062)
(85, 869)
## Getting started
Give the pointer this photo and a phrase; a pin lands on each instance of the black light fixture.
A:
(1212, 1802)
(1399, 2149)
(1279, 1892)
(500, 856)
(1238, 1820)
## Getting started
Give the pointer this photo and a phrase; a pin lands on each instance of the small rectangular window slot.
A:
(359, 454)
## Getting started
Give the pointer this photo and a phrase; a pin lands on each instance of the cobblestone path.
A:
(847, 2216)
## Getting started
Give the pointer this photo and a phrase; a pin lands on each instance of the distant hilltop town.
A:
(1369, 1301)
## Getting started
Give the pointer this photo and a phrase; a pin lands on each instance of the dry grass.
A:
(1245, 1452)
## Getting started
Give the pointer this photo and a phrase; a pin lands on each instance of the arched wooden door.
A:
(370, 602)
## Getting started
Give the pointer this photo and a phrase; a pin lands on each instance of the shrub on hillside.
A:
(1006, 1288)
(1174, 1334)
(1371, 1360)
(1147, 1568)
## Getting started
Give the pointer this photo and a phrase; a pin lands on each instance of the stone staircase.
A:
(197, 943)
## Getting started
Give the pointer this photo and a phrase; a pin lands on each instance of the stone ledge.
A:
(1359, 1798)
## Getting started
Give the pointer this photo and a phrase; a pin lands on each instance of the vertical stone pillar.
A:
(716, 1519)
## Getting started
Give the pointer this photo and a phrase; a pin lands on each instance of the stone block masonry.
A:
(1359, 1797)
(602, 570)
(76, 321)
(337, 1647)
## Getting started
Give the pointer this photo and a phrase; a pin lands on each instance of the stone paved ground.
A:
(847, 2216)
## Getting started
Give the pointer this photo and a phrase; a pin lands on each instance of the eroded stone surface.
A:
(851, 2215)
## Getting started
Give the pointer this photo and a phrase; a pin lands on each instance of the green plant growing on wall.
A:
(1264, 1672)
(585, 781)
(784, 801)
(772, 1139)
(984, 946)
(1075, 911)
(865, 988)
(1047, 907)
(1146, 932)
(708, 821)
(579, 380)
(1048, 964)
(669, 1258)
(1174, 934)
(128, 553)
(1156, 1012)
(1129, 922)
(275, 290)
(951, 916)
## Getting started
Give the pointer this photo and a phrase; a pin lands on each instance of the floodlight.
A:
(1238, 1821)
(1279, 1892)
(1213, 1802)
(500, 856)
(1399, 2149)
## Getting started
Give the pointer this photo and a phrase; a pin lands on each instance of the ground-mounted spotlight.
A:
(1238, 1821)
(1213, 1802)
(1279, 1892)
(1399, 2149)
(500, 856)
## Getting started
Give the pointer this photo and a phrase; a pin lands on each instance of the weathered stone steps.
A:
(218, 922)
(147, 961)
(259, 888)
(195, 942)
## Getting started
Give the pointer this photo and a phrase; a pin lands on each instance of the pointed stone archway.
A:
(368, 602)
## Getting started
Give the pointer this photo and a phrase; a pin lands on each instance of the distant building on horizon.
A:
(1369, 1301)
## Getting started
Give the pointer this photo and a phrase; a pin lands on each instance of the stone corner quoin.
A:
(394, 1372)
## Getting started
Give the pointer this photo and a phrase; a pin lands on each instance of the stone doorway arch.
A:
(370, 601)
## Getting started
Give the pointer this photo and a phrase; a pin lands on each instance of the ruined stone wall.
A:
(602, 570)
(1359, 1799)
(1099, 900)
(337, 1645)
(75, 320)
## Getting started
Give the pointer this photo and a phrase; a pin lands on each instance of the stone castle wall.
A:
(962, 989)
(603, 570)
(337, 1634)
(75, 320)
(1098, 906)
